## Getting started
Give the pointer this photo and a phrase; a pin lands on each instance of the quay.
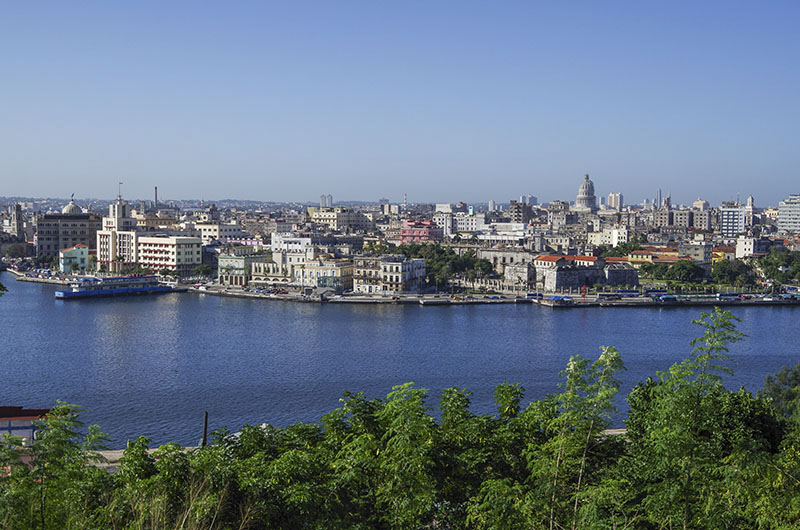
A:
(554, 301)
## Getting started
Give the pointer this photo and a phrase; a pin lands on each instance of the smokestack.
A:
(155, 202)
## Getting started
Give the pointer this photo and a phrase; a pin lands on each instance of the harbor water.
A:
(150, 365)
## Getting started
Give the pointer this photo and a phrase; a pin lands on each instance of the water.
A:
(152, 365)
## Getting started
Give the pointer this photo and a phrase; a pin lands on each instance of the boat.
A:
(117, 286)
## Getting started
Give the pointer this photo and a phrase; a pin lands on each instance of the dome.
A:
(586, 198)
(586, 189)
(71, 209)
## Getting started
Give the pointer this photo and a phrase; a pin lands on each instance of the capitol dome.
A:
(71, 209)
(586, 198)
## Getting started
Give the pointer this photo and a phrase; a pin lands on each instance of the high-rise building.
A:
(615, 201)
(519, 212)
(731, 219)
(491, 206)
(789, 215)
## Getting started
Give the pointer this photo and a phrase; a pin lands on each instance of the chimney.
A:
(155, 202)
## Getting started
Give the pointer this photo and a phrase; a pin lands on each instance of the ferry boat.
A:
(118, 286)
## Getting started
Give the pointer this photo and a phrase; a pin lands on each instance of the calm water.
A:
(152, 365)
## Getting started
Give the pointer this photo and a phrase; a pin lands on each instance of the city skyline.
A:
(442, 102)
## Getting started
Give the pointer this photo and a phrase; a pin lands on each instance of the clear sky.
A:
(444, 101)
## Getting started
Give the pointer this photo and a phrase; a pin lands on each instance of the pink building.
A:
(420, 232)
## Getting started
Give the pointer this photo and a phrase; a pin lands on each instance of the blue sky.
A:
(444, 101)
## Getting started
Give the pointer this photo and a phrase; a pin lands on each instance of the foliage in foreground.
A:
(695, 456)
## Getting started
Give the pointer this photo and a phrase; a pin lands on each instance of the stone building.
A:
(573, 272)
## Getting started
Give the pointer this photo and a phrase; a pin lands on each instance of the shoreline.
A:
(566, 301)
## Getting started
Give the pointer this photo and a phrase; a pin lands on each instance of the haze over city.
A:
(443, 101)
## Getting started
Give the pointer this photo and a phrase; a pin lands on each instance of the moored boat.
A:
(118, 286)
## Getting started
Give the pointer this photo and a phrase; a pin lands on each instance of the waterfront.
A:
(151, 365)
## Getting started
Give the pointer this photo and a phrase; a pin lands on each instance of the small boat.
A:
(118, 286)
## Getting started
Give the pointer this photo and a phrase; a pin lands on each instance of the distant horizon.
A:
(83, 201)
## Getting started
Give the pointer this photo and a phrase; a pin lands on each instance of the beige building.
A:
(71, 227)
(341, 219)
(336, 273)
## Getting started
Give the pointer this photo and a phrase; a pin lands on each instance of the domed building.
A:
(586, 199)
(71, 209)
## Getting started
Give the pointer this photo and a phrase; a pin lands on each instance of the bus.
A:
(608, 296)
(628, 293)
(729, 296)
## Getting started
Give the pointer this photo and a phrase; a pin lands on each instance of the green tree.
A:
(782, 390)
(57, 485)
(728, 272)
(687, 433)
(685, 271)
(202, 270)
(17, 250)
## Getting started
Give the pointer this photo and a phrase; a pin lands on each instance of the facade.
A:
(554, 273)
(520, 212)
(731, 219)
(701, 219)
(73, 259)
(610, 237)
(699, 251)
(15, 225)
(662, 218)
(335, 273)
(367, 274)
(789, 215)
(169, 253)
(218, 232)
(341, 219)
(682, 218)
(420, 232)
(388, 274)
(753, 246)
(116, 242)
(238, 270)
(400, 274)
(55, 232)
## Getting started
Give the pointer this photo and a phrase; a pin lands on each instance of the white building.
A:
(731, 219)
(218, 231)
(290, 243)
(174, 253)
(610, 237)
(789, 215)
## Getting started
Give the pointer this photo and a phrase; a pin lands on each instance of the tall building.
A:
(731, 219)
(789, 215)
(750, 212)
(519, 212)
(492, 206)
(615, 201)
(586, 199)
